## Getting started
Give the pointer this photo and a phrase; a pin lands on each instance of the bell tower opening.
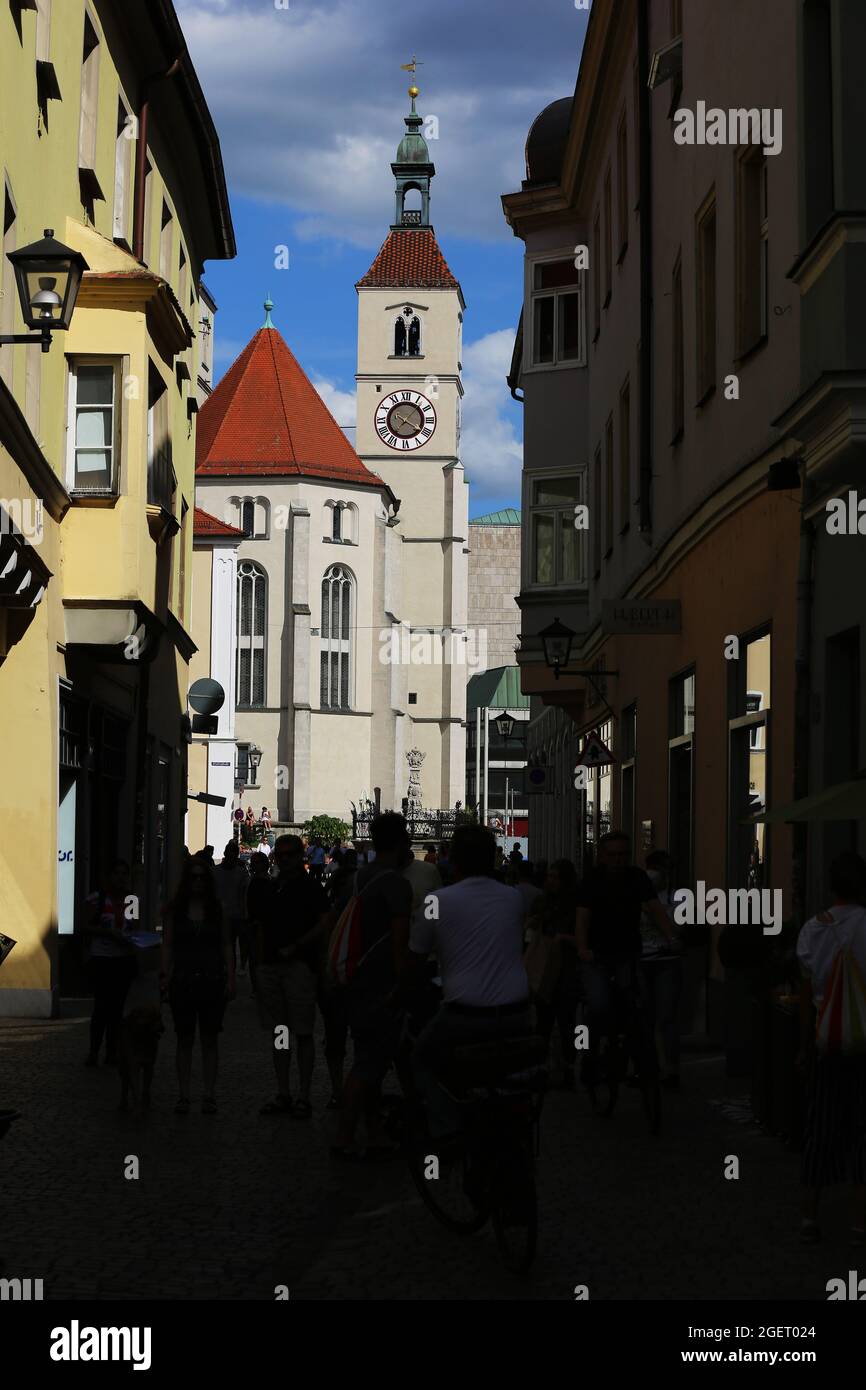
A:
(413, 171)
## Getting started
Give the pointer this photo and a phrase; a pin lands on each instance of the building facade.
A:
(494, 582)
(213, 756)
(99, 432)
(409, 396)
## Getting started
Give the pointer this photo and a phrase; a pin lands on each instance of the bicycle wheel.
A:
(515, 1209)
(442, 1171)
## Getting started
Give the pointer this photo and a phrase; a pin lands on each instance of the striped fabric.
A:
(841, 1026)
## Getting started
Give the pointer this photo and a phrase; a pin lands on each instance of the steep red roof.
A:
(203, 524)
(409, 258)
(266, 417)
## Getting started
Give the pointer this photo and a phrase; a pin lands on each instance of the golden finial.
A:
(413, 92)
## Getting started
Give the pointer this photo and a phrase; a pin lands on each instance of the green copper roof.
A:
(509, 516)
(498, 689)
(413, 147)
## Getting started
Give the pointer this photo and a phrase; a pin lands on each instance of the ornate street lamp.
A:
(504, 725)
(255, 757)
(48, 275)
(556, 641)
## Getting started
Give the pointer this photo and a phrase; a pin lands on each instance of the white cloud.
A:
(491, 447)
(340, 403)
(309, 102)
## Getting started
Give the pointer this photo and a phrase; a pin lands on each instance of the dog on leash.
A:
(140, 1033)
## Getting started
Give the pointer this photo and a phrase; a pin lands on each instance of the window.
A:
(122, 170)
(622, 184)
(89, 98)
(596, 277)
(677, 354)
(748, 745)
(608, 239)
(705, 267)
(608, 486)
(681, 777)
(407, 334)
(336, 638)
(252, 626)
(93, 426)
(596, 512)
(8, 290)
(557, 313)
(160, 471)
(242, 765)
(752, 250)
(557, 546)
(166, 242)
(251, 515)
(625, 456)
(248, 514)
(337, 526)
(181, 582)
(627, 753)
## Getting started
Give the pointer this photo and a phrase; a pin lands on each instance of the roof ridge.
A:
(280, 386)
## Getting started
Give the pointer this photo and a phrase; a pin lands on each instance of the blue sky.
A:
(309, 99)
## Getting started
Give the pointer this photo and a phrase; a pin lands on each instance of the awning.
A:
(843, 801)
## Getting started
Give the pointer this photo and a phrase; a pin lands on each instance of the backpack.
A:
(841, 1026)
(345, 948)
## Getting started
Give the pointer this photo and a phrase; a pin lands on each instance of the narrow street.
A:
(231, 1206)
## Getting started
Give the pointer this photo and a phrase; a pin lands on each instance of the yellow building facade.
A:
(97, 456)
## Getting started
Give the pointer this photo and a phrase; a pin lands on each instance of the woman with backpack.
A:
(831, 949)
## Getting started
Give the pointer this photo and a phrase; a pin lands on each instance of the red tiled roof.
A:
(204, 524)
(266, 417)
(410, 258)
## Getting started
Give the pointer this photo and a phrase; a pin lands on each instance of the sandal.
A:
(182, 1107)
(281, 1106)
(208, 1106)
(302, 1110)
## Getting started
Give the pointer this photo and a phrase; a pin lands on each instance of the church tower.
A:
(409, 392)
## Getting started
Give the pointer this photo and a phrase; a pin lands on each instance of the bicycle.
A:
(628, 1035)
(486, 1171)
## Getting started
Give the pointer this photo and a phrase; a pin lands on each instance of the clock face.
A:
(405, 420)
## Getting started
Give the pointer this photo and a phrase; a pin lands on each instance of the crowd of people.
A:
(463, 944)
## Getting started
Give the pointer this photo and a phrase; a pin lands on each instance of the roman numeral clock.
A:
(405, 420)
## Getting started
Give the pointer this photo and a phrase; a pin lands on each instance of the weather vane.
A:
(411, 67)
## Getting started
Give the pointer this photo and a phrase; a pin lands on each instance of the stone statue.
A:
(414, 758)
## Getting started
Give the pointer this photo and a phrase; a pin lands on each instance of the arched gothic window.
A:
(400, 338)
(337, 523)
(248, 517)
(252, 630)
(336, 638)
(415, 337)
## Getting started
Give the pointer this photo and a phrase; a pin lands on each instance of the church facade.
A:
(352, 571)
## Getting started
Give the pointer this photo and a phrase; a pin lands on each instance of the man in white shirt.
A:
(474, 926)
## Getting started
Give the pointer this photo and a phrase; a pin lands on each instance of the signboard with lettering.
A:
(653, 617)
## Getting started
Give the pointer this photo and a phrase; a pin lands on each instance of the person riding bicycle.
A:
(474, 926)
(607, 930)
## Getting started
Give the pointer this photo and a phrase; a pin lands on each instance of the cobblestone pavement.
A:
(229, 1206)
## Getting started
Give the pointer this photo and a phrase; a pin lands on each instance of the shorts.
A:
(197, 999)
(287, 995)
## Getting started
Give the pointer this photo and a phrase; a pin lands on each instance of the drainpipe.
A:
(141, 156)
(646, 403)
(802, 700)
